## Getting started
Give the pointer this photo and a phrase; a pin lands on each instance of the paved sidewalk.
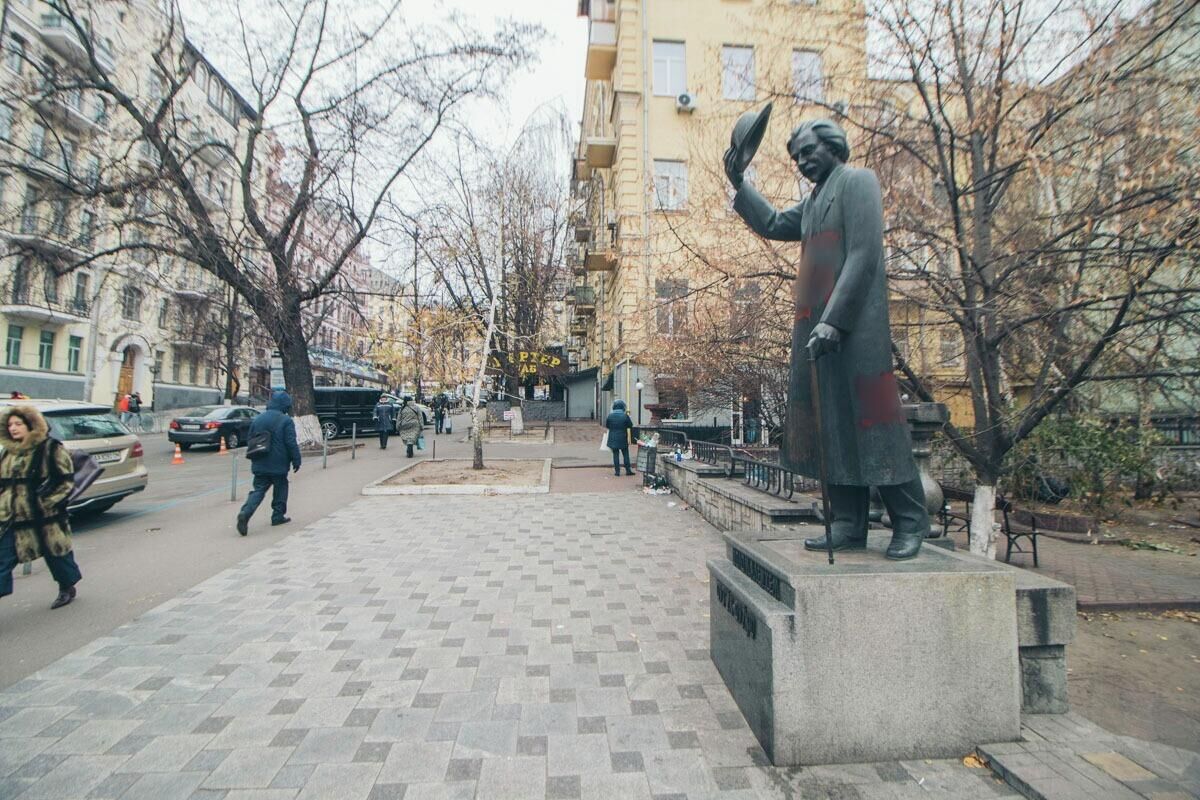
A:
(1113, 578)
(405, 647)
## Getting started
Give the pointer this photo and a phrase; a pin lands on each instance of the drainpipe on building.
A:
(89, 378)
(645, 172)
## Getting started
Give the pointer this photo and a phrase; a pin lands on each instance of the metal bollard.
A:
(433, 456)
(353, 441)
(324, 451)
(233, 483)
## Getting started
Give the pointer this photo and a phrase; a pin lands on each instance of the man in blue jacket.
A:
(271, 469)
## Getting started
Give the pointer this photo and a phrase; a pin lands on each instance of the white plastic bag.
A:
(604, 441)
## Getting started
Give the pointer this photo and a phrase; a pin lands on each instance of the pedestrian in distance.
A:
(123, 408)
(271, 447)
(619, 424)
(385, 419)
(36, 476)
(408, 424)
(135, 407)
(440, 405)
(16, 395)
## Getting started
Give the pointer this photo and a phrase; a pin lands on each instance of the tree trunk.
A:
(477, 436)
(983, 518)
(297, 376)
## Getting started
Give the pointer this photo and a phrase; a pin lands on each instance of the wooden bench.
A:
(1020, 523)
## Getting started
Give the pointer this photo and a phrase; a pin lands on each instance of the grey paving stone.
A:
(247, 768)
(388, 791)
(328, 746)
(160, 786)
(113, 786)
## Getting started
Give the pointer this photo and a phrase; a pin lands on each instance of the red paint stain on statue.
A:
(878, 400)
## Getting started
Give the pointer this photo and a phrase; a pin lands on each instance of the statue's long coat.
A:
(840, 281)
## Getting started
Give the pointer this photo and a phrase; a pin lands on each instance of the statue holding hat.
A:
(840, 329)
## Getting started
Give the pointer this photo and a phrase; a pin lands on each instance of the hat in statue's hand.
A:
(748, 133)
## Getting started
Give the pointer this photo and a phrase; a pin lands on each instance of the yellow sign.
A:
(527, 362)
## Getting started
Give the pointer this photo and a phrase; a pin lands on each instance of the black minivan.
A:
(339, 408)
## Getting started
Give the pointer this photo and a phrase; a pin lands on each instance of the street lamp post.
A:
(639, 386)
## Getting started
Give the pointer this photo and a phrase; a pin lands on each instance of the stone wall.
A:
(728, 504)
(42, 385)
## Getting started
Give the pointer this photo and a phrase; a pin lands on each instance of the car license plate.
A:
(107, 458)
(190, 427)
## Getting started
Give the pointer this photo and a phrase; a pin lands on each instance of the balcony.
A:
(192, 291)
(67, 107)
(584, 298)
(600, 259)
(48, 313)
(210, 147)
(602, 49)
(601, 151)
(61, 37)
(50, 236)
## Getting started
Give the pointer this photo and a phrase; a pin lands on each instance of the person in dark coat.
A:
(841, 329)
(385, 419)
(271, 470)
(440, 404)
(619, 425)
(36, 477)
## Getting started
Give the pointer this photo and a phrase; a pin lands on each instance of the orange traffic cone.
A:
(178, 459)
(223, 449)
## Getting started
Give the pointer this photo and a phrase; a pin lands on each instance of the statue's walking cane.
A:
(818, 424)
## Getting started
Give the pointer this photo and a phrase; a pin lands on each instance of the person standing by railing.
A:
(619, 424)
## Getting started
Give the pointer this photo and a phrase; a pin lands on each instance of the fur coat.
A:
(36, 475)
(408, 424)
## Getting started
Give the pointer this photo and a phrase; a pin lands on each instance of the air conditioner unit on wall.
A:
(686, 101)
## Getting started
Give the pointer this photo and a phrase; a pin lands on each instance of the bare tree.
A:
(1038, 165)
(339, 107)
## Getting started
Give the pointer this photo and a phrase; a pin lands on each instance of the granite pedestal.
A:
(869, 659)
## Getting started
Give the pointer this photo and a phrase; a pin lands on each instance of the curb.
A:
(1137, 605)
(379, 488)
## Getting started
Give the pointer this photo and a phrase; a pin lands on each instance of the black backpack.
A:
(258, 445)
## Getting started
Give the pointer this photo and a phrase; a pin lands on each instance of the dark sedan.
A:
(209, 424)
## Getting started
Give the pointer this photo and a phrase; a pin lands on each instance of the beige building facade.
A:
(83, 315)
(665, 82)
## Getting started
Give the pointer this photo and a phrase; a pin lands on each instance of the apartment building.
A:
(85, 316)
(665, 82)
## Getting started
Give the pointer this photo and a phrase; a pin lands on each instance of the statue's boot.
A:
(840, 542)
(904, 546)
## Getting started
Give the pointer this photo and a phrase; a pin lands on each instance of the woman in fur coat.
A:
(36, 475)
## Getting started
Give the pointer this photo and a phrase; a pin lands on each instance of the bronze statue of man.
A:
(841, 330)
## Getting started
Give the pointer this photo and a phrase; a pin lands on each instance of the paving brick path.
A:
(553, 647)
(1111, 577)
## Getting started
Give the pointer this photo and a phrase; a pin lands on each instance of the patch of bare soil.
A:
(458, 471)
(1138, 674)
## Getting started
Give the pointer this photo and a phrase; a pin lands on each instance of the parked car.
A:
(340, 409)
(97, 431)
(209, 424)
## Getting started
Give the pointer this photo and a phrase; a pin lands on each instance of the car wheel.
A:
(185, 445)
(329, 429)
(232, 440)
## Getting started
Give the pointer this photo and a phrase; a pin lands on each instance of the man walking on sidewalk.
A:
(271, 467)
(385, 418)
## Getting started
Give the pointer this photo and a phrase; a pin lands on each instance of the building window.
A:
(193, 371)
(164, 310)
(74, 348)
(160, 358)
(12, 349)
(58, 218)
(131, 303)
(670, 185)
(737, 73)
(20, 282)
(670, 76)
(6, 121)
(14, 54)
(208, 375)
(80, 300)
(46, 350)
(949, 347)
(670, 306)
(37, 140)
(87, 227)
(808, 79)
(50, 284)
(175, 365)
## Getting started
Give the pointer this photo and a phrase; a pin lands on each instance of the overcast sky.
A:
(556, 77)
